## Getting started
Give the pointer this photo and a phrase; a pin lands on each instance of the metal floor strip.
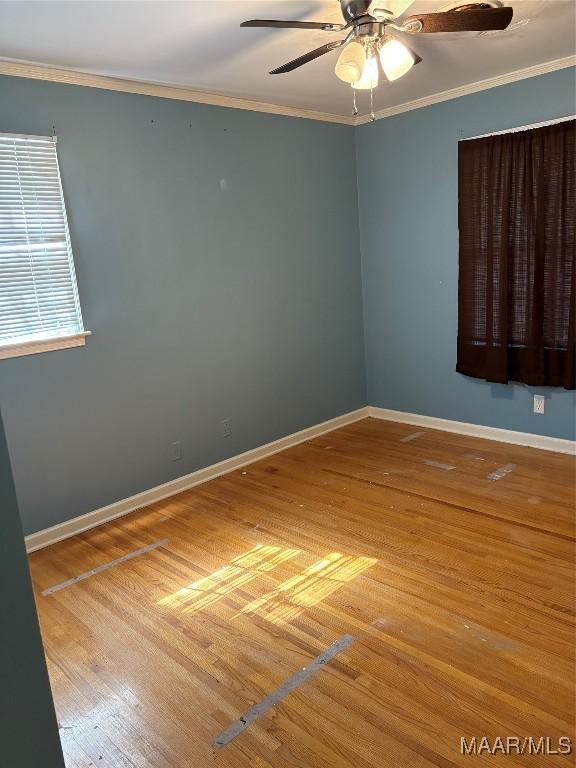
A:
(411, 437)
(501, 471)
(439, 464)
(104, 567)
(236, 728)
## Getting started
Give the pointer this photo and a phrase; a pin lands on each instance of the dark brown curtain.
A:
(517, 281)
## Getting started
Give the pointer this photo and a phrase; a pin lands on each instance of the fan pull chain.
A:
(372, 115)
(354, 107)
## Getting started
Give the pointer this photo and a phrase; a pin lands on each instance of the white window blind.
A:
(38, 291)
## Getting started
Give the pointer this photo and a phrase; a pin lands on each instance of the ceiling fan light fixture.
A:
(369, 78)
(372, 48)
(396, 59)
(351, 61)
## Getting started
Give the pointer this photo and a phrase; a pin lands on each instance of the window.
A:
(39, 304)
(517, 282)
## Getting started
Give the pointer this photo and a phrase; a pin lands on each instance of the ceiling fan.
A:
(370, 45)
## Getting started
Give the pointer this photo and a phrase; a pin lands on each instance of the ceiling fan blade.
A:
(479, 20)
(326, 25)
(310, 56)
(392, 8)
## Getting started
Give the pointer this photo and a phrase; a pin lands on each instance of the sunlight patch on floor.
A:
(239, 572)
(309, 588)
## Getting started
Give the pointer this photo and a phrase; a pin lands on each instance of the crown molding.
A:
(144, 88)
(73, 77)
(465, 90)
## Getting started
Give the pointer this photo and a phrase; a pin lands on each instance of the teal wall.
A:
(408, 203)
(217, 254)
(29, 732)
(218, 260)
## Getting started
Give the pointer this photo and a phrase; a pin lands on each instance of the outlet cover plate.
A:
(175, 451)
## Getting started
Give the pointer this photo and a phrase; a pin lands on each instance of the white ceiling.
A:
(201, 46)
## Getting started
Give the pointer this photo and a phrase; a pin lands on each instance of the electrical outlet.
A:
(175, 451)
(538, 403)
(226, 427)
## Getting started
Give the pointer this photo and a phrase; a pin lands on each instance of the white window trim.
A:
(520, 128)
(36, 346)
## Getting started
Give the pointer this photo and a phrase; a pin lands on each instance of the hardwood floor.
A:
(457, 589)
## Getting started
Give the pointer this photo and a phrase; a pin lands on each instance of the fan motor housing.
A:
(369, 28)
(354, 9)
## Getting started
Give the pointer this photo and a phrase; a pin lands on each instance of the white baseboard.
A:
(124, 506)
(90, 520)
(477, 430)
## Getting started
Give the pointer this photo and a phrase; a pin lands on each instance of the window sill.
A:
(35, 347)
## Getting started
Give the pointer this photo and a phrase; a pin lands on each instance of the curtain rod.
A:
(521, 128)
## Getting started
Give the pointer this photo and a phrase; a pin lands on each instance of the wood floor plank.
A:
(458, 590)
